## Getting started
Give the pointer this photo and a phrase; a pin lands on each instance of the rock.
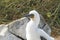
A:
(5, 34)
(2, 26)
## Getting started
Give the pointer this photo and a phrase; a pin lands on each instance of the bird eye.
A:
(32, 16)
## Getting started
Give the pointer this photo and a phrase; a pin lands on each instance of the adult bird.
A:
(32, 30)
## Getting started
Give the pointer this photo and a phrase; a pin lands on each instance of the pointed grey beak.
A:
(29, 15)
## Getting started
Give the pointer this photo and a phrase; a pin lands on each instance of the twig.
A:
(57, 24)
(53, 19)
(9, 5)
(55, 14)
(56, 10)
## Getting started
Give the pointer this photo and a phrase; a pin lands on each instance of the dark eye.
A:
(32, 15)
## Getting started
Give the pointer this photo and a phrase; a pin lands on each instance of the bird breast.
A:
(31, 32)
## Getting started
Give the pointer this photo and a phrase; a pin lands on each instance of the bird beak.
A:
(28, 15)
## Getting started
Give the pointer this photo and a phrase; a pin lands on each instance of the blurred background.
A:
(14, 9)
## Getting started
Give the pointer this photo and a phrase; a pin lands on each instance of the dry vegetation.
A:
(50, 9)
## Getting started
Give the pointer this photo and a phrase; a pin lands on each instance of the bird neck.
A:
(35, 21)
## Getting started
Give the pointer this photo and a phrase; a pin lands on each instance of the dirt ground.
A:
(57, 38)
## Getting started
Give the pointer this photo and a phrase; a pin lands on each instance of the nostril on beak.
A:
(26, 15)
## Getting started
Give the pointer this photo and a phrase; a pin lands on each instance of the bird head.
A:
(33, 15)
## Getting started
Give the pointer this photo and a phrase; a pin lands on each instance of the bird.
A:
(32, 30)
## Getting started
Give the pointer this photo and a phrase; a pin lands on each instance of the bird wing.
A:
(44, 34)
(18, 26)
(43, 25)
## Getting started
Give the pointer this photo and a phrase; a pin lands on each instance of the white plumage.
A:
(32, 30)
